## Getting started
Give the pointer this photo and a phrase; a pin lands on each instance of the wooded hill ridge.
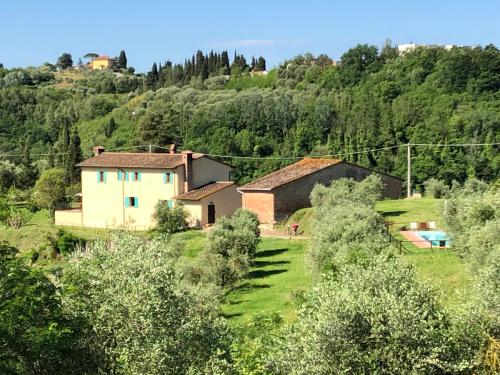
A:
(305, 106)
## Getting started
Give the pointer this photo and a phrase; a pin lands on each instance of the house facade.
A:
(121, 190)
(101, 63)
(278, 195)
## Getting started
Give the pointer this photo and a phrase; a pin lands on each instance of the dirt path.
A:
(279, 233)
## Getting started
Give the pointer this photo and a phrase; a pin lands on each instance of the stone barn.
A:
(276, 196)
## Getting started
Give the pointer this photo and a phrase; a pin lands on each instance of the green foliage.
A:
(50, 188)
(64, 61)
(230, 247)
(35, 335)
(65, 242)
(170, 220)
(378, 319)
(144, 319)
(346, 228)
(436, 189)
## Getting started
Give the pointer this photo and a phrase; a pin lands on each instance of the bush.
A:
(144, 319)
(229, 249)
(65, 243)
(170, 220)
(436, 189)
(378, 319)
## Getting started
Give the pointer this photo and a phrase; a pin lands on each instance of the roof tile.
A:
(204, 191)
(290, 173)
(135, 160)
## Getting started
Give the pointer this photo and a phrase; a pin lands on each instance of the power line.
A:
(284, 157)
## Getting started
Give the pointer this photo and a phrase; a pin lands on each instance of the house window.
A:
(168, 178)
(101, 176)
(132, 202)
(169, 203)
(137, 176)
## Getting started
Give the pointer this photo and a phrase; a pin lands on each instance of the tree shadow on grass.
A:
(264, 263)
(270, 253)
(248, 287)
(393, 213)
(233, 315)
(257, 274)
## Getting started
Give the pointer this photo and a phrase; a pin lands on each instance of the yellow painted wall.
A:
(70, 218)
(206, 170)
(226, 201)
(103, 203)
(101, 64)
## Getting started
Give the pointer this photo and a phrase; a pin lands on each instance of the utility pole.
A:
(408, 172)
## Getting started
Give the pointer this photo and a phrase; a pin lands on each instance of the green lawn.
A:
(441, 267)
(404, 211)
(278, 272)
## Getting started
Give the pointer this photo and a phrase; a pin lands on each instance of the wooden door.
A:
(211, 213)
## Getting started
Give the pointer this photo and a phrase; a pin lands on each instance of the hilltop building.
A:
(102, 63)
(278, 195)
(121, 190)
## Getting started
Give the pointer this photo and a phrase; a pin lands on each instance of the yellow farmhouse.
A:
(120, 190)
(101, 63)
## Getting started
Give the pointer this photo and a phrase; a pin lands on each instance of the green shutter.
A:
(104, 176)
(136, 202)
(127, 201)
(139, 176)
(126, 176)
(98, 175)
(171, 178)
(170, 203)
(164, 178)
(120, 176)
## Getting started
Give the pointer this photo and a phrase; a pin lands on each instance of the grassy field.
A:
(277, 273)
(441, 267)
(279, 269)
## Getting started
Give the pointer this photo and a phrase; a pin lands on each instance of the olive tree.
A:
(143, 317)
(381, 319)
(50, 189)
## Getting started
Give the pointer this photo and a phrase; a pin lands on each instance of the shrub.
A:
(377, 319)
(229, 249)
(436, 189)
(65, 242)
(170, 220)
(144, 319)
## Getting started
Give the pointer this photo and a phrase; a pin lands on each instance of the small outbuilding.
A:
(277, 195)
(209, 202)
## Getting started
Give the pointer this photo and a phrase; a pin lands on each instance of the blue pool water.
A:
(436, 237)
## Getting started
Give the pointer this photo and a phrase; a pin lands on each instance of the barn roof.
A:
(135, 160)
(290, 173)
(204, 191)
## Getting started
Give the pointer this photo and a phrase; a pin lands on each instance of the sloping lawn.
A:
(278, 272)
(440, 267)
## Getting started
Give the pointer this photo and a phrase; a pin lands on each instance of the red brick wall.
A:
(260, 203)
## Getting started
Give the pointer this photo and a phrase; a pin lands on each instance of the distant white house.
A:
(403, 48)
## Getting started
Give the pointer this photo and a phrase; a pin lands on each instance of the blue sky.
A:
(34, 31)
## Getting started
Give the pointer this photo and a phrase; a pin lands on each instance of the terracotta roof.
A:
(135, 160)
(204, 191)
(102, 58)
(290, 173)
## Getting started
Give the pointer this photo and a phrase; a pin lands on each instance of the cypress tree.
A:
(226, 70)
(74, 156)
(261, 64)
(204, 70)
(122, 60)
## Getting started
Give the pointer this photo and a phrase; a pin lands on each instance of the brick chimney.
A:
(172, 149)
(187, 159)
(98, 150)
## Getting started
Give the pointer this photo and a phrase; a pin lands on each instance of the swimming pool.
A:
(436, 237)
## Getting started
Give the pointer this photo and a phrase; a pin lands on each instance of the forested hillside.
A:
(306, 106)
